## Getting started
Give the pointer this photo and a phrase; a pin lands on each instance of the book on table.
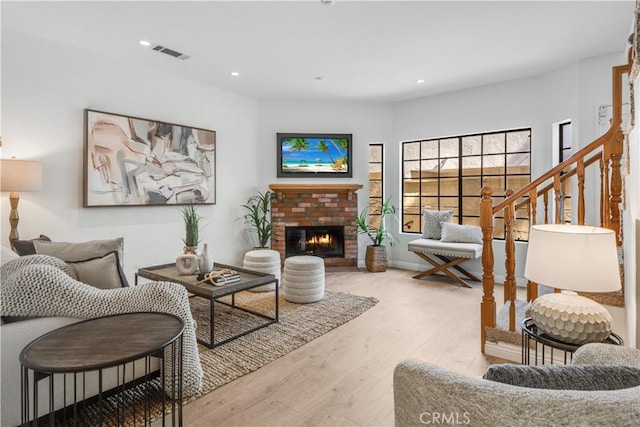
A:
(227, 278)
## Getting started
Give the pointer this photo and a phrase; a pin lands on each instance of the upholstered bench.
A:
(451, 254)
(303, 279)
(263, 261)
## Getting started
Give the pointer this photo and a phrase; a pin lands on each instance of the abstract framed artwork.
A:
(131, 161)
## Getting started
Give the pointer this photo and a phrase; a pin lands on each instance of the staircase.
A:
(595, 169)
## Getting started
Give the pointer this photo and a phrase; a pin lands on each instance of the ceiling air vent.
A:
(170, 52)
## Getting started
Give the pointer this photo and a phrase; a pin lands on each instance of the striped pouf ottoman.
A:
(263, 261)
(303, 279)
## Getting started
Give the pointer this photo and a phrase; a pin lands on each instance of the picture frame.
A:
(133, 161)
(310, 155)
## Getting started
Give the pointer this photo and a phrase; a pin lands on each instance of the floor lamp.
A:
(15, 176)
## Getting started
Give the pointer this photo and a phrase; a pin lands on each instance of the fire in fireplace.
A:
(323, 241)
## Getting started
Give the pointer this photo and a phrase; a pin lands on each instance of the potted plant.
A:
(376, 256)
(258, 216)
(192, 229)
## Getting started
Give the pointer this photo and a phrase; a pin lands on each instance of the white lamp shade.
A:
(573, 257)
(21, 175)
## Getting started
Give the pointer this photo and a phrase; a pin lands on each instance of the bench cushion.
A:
(437, 247)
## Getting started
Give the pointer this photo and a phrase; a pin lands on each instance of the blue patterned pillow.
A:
(431, 228)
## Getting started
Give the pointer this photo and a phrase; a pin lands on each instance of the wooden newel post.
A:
(532, 288)
(580, 173)
(510, 261)
(616, 187)
(488, 304)
(603, 211)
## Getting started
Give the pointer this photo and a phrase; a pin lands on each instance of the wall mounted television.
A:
(310, 155)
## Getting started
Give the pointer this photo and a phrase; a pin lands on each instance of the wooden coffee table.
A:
(248, 280)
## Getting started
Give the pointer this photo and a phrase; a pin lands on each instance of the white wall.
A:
(572, 92)
(367, 122)
(46, 86)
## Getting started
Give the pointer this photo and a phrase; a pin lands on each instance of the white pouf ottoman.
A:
(263, 261)
(303, 279)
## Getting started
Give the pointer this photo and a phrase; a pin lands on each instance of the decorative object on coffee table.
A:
(303, 279)
(205, 260)
(376, 255)
(192, 229)
(264, 261)
(187, 264)
(572, 258)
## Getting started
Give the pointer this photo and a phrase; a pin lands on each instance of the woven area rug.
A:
(298, 325)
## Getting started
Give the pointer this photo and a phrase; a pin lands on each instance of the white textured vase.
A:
(571, 318)
(205, 260)
(187, 264)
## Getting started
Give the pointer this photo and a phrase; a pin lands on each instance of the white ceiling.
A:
(363, 50)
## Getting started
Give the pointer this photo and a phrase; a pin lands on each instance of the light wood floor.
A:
(344, 378)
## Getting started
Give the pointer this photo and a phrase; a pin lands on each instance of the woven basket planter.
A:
(376, 259)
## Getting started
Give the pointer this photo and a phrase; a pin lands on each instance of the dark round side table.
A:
(74, 352)
(531, 333)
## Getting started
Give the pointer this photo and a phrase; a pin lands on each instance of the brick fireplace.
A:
(306, 205)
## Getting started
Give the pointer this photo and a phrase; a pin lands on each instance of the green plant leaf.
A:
(258, 216)
(377, 235)
(192, 225)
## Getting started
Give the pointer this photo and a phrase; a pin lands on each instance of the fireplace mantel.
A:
(282, 189)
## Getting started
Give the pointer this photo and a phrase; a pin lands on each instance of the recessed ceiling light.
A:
(420, 81)
(234, 74)
(144, 43)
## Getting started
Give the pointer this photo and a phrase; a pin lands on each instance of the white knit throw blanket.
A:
(40, 285)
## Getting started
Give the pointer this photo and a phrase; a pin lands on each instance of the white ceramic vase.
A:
(205, 260)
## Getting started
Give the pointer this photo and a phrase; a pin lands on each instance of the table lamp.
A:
(572, 258)
(15, 176)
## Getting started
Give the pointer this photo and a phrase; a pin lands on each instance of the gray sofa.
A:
(15, 336)
(426, 394)
(55, 299)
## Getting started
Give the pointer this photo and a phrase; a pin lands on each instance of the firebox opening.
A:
(323, 241)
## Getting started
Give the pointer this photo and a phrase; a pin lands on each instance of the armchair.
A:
(426, 394)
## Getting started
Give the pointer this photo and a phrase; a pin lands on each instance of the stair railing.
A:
(606, 153)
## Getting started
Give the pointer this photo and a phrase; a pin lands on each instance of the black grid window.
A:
(564, 144)
(564, 141)
(376, 192)
(449, 173)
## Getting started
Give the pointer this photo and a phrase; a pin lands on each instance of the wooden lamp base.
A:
(14, 198)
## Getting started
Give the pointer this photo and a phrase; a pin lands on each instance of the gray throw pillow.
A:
(27, 247)
(432, 220)
(83, 251)
(569, 377)
(102, 272)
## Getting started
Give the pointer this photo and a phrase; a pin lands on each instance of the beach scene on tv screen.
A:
(315, 155)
